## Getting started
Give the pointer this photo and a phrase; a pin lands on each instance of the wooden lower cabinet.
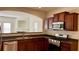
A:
(38, 44)
(35, 44)
(69, 46)
(65, 46)
(10, 46)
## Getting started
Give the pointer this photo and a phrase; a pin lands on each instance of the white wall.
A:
(32, 20)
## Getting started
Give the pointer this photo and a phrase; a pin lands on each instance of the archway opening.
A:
(20, 22)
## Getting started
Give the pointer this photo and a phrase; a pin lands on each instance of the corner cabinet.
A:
(70, 20)
(46, 24)
(50, 21)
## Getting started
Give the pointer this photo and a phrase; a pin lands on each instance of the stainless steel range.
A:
(54, 44)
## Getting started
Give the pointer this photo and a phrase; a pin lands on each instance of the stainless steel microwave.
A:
(58, 25)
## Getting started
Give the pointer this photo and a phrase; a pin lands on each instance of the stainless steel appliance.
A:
(61, 35)
(58, 25)
(54, 44)
(57, 42)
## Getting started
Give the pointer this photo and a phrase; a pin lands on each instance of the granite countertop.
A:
(21, 36)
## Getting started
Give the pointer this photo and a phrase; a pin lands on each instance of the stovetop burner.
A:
(61, 35)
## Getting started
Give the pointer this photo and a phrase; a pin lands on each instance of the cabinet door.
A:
(75, 21)
(46, 24)
(61, 17)
(25, 45)
(50, 21)
(69, 22)
(65, 46)
(40, 44)
(10, 46)
(56, 16)
(35, 44)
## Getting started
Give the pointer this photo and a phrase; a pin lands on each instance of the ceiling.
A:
(44, 8)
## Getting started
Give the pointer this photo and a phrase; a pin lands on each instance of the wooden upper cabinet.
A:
(62, 16)
(75, 21)
(46, 24)
(50, 21)
(56, 16)
(71, 22)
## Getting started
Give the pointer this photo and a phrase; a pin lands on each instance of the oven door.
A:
(54, 45)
